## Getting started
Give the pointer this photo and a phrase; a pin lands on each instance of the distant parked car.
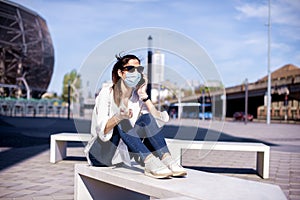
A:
(241, 116)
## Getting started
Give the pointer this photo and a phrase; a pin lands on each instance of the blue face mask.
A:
(132, 79)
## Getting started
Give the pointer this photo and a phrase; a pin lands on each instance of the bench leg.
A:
(58, 150)
(80, 189)
(263, 164)
(88, 189)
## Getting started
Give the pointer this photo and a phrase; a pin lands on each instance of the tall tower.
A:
(149, 86)
(158, 62)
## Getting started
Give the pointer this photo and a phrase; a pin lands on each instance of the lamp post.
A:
(203, 104)
(246, 101)
(149, 86)
(269, 71)
(69, 98)
(179, 104)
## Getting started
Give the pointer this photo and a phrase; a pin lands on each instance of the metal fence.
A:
(33, 107)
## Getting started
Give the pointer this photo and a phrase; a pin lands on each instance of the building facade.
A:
(26, 52)
(285, 95)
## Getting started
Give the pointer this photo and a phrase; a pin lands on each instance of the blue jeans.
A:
(145, 128)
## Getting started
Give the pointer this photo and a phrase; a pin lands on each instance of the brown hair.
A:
(121, 61)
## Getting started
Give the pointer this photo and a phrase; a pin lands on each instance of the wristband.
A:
(146, 99)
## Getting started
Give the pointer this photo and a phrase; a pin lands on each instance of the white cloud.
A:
(285, 12)
(252, 10)
(285, 27)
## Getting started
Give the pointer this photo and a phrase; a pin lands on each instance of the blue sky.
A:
(232, 32)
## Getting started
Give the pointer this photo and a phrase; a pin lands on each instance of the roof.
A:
(286, 71)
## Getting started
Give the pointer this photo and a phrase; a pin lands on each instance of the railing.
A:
(33, 107)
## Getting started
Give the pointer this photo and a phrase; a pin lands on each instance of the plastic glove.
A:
(124, 112)
(162, 119)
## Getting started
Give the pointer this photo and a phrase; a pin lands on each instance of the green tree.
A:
(72, 78)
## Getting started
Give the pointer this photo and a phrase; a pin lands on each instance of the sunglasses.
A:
(131, 69)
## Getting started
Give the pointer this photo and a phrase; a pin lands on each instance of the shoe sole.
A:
(179, 174)
(158, 176)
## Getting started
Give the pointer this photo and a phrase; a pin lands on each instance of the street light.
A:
(149, 86)
(246, 101)
(269, 71)
(69, 98)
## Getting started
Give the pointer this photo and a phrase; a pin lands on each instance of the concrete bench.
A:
(177, 146)
(131, 183)
(58, 148)
(58, 144)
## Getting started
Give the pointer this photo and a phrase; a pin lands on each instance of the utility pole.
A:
(269, 71)
(69, 98)
(203, 104)
(246, 101)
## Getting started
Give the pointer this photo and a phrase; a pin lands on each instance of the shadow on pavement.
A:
(25, 137)
(224, 170)
(203, 134)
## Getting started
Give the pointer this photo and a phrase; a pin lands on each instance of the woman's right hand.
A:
(124, 114)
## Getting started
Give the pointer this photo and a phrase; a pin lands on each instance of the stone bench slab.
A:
(118, 182)
(177, 148)
(58, 144)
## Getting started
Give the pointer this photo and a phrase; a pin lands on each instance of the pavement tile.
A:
(8, 183)
(36, 187)
(42, 198)
(282, 181)
(67, 191)
(64, 197)
(295, 179)
(19, 193)
(285, 186)
(5, 191)
(293, 197)
(295, 192)
(21, 186)
(295, 185)
(23, 198)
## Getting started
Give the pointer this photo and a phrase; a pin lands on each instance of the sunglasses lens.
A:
(128, 68)
(140, 69)
(131, 69)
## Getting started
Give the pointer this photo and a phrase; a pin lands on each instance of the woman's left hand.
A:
(142, 89)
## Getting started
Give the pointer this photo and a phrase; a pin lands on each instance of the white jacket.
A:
(104, 109)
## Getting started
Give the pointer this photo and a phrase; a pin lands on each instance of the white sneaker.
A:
(176, 169)
(156, 169)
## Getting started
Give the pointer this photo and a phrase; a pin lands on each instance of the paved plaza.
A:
(26, 172)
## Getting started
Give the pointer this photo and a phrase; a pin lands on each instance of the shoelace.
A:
(155, 164)
(168, 161)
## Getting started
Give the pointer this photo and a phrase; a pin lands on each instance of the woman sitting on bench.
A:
(124, 119)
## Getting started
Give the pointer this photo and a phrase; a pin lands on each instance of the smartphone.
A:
(141, 82)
